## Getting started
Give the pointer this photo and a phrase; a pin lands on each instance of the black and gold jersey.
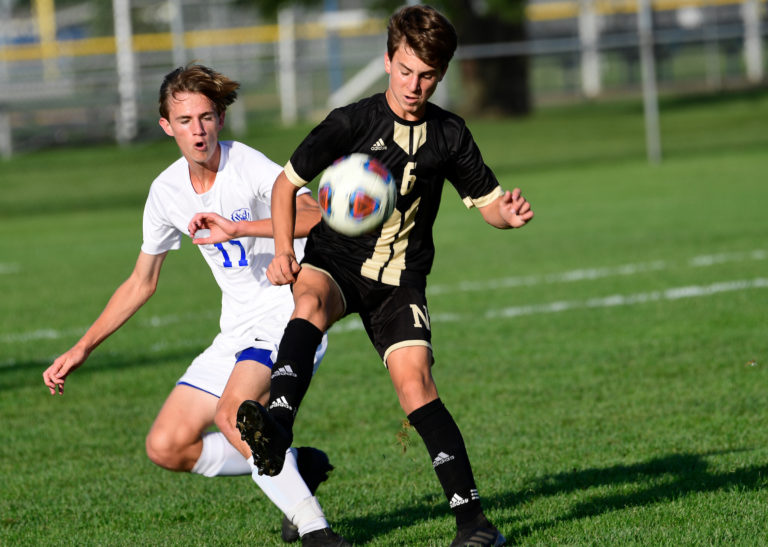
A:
(421, 155)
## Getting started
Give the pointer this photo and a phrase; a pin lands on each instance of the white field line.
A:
(9, 268)
(562, 277)
(353, 323)
(153, 321)
(593, 273)
(692, 291)
(509, 282)
(710, 260)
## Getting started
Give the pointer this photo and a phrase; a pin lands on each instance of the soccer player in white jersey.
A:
(230, 184)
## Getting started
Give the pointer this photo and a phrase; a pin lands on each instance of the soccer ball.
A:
(356, 194)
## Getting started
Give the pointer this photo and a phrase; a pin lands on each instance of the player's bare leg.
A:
(175, 439)
(411, 375)
(268, 429)
(410, 371)
(248, 380)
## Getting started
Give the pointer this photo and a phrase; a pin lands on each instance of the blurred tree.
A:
(492, 85)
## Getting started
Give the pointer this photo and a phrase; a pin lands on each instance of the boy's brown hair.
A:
(424, 30)
(194, 78)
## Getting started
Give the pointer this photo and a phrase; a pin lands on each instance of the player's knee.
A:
(162, 451)
(415, 393)
(319, 308)
(307, 304)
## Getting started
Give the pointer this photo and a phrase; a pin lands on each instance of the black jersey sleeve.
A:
(327, 142)
(473, 179)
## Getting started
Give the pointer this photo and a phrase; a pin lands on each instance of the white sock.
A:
(305, 516)
(218, 457)
(290, 494)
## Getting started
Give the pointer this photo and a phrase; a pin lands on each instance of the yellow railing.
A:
(549, 11)
(163, 41)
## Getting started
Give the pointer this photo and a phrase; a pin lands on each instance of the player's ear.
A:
(221, 119)
(387, 63)
(166, 125)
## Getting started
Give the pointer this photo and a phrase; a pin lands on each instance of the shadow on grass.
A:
(682, 474)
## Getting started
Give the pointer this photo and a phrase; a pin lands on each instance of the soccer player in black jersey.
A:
(382, 275)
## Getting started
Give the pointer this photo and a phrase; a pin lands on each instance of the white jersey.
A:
(251, 307)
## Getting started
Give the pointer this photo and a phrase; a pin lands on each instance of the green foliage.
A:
(512, 11)
(606, 364)
(270, 7)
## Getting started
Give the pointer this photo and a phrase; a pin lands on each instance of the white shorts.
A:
(210, 370)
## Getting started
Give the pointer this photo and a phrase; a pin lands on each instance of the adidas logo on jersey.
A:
(457, 500)
(284, 371)
(441, 458)
(280, 403)
(378, 146)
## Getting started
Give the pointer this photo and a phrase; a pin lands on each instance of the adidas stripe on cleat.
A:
(266, 438)
(479, 536)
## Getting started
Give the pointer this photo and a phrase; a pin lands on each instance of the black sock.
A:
(449, 457)
(292, 371)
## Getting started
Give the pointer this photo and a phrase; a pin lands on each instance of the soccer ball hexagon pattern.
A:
(356, 194)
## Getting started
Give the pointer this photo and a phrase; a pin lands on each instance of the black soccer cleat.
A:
(314, 467)
(265, 437)
(289, 532)
(323, 538)
(479, 533)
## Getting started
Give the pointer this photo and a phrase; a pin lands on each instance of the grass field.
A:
(607, 364)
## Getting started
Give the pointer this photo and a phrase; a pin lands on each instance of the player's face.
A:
(411, 83)
(193, 122)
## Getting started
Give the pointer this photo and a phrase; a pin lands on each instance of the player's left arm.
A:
(307, 215)
(509, 210)
(222, 229)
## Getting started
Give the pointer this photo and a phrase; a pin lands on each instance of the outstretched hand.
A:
(55, 375)
(221, 229)
(515, 209)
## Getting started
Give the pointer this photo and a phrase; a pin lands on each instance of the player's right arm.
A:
(284, 267)
(125, 301)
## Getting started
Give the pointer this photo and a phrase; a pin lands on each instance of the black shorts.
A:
(393, 316)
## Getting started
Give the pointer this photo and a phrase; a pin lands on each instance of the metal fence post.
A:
(286, 65)
(590, 57)
(648, 67)
(127, 124)
(753, 47)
